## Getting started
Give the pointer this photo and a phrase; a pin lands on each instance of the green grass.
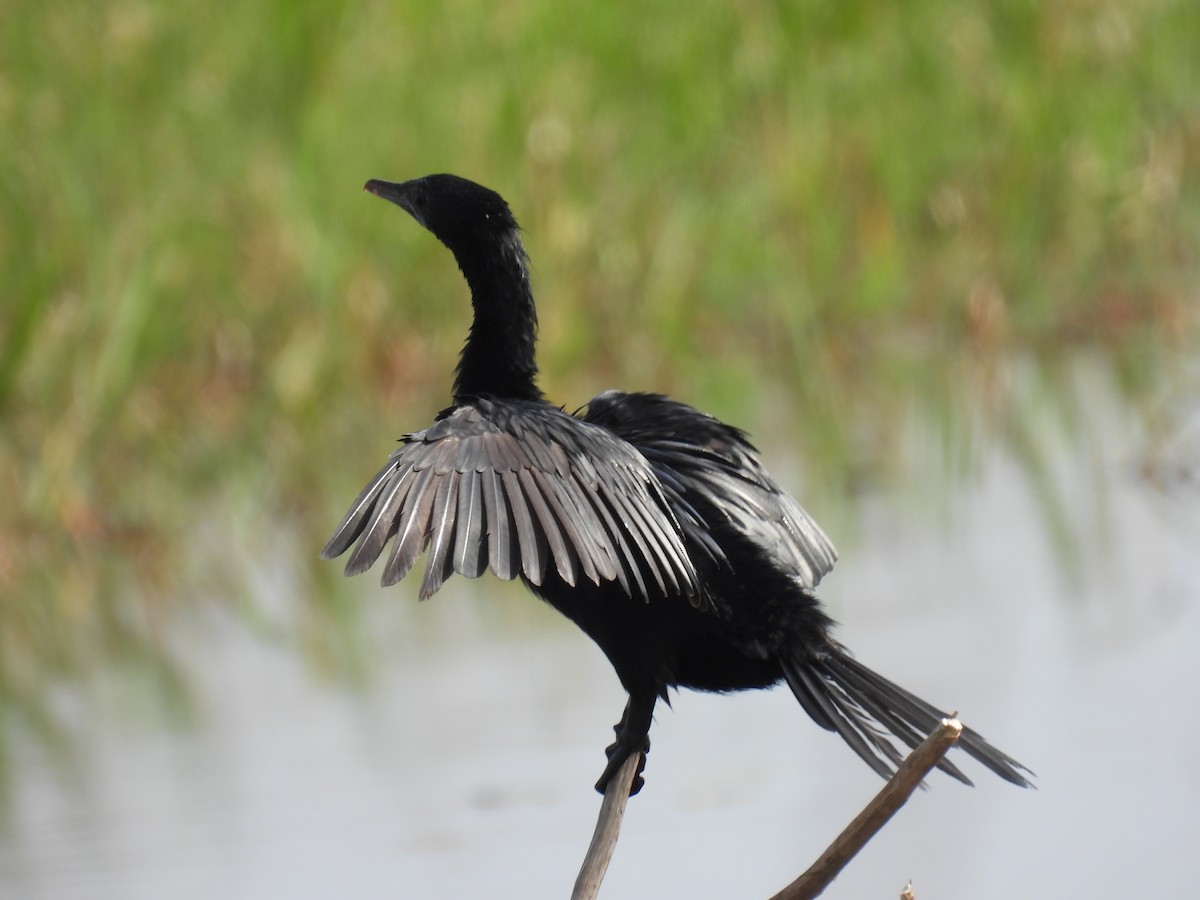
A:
(209, 333)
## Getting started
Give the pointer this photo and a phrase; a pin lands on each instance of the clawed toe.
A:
(618, 753)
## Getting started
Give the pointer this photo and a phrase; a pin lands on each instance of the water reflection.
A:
(462, 766)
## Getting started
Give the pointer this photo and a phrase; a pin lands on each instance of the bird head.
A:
(458, 212)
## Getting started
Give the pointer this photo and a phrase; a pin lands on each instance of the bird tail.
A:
(870, 713)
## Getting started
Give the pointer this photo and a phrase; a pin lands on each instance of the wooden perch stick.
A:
(608, 826)
(895, 793)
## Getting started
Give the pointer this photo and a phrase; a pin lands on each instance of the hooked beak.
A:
(398, 193)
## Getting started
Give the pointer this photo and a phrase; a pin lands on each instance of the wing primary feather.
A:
(625, 561)
(470, 547)
(578, 522)
(564, 556)
(412, 534)
(383, 524)
(602, 550)
(502, 547)
(442, 521)
(662, 533)
(356, 517)
(533, 550)
(607, 535)
(635, 527)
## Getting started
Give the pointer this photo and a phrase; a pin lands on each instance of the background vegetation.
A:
(866, 214)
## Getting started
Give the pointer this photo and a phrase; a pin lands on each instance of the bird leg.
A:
(633, 736)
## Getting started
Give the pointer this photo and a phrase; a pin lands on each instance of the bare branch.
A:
(895, 793)
(608, 827)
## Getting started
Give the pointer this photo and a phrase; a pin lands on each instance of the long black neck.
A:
(498, 359)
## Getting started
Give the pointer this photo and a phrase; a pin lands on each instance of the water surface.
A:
(462, 767)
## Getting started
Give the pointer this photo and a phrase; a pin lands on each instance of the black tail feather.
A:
(868, 712)
(910, 724)
(836, 714)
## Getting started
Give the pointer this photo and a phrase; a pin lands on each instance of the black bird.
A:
(652, 526)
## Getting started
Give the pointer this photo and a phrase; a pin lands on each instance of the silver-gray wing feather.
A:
(520, 489)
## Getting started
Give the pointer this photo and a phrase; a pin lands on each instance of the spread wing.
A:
(520, 488)
(714, 467)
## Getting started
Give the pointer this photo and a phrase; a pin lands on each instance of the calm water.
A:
(464, 767)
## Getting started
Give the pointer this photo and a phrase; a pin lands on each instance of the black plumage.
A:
(651, 525)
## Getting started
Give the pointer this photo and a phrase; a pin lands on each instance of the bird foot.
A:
(617, 753)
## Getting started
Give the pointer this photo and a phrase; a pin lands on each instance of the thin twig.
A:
(608, 826)
(899, 788)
